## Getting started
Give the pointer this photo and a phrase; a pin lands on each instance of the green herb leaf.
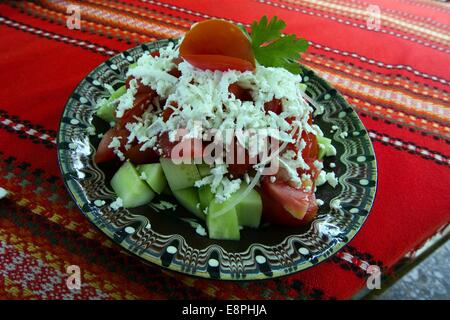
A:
(272, 48)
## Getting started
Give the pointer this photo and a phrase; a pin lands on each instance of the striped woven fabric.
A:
(396, 77)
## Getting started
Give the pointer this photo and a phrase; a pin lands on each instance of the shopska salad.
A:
(219, 79)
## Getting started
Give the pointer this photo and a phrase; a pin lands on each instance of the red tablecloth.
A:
(397, 78)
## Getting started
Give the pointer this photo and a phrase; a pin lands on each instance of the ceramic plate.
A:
(168, 238)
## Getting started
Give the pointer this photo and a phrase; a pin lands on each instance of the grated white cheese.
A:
(319, 110)
(335, 204)
(3, 193)
(153, 71)
(344, 134)
(200, 230)
(321, 178)
(116, 204)
(331, 151)
(318, 164)
(127, 99)
(319, 202)
(332, 165)
(91, 130)
(115, 145)
(331, 179)
(164, 205)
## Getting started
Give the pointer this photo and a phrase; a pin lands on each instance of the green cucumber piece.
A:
(322, 151)
(154, 176)
(205, 195)
(204, 169)
(132, 65)
(188, 198)
(179, 176)
(249, 210)
(130, 187)
(107, 110)
(302, 87)
(225, 226)
(325, 146)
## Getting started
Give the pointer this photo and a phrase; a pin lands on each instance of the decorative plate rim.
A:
(308, 261)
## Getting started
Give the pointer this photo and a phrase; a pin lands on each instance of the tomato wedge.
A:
(311, 150)
(104, 153)
(220, 38)
(237, 168)
(141, 103)
(274, 106)
(285, 205)
(141, 157)
(194, 148)
(239, 92)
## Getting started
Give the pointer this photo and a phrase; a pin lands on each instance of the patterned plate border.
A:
(332, 229)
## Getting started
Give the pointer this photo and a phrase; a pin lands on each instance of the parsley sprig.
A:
(273, 49)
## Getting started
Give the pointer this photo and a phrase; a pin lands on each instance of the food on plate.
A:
(220, 121)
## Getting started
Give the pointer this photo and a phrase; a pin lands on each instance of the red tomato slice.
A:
(141, 88)
(274, 213)
(141, 157)
(217, 37)
(311, 150)
(285, 205)
(241, 162)
(175, 72)
(239, 169)
(104, 153)
(239, 92)
(274, 106)
(166, 114)
(168, 111)
(218, 62)
(141, 103)
(193, 146)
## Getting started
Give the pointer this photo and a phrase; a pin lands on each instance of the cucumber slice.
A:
(107, 110)
(322, 151)
(154, 176)
(179, 176)
(188, 198)
(204, 169)
(325, 147)
(249, 210)
(224, 227)
(130, 188)
(205, 195)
